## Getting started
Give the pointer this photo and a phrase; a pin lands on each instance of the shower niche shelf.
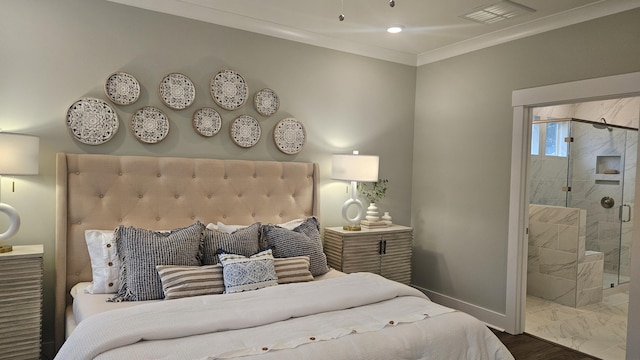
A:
(608, 170)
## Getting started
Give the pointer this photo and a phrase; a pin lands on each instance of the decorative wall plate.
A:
(229, 89)
(92, 121)
(177, 91)
(122, 88)
(150, 125)
(207, 121)
(289, 136)
(266, 102)
(245, 131)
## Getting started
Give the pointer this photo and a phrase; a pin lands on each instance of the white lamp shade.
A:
(19, 154)
(354, 167)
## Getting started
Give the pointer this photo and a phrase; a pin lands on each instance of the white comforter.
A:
(357, 316)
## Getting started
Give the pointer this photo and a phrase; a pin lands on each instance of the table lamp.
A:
(354, 167)
(19, 155)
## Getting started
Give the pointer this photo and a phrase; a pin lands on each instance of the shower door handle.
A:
(622, 212)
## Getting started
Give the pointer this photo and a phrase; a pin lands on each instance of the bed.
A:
(143, 206)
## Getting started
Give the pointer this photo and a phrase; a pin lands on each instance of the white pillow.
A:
(105, 264)
(229, 228)
(290, 225)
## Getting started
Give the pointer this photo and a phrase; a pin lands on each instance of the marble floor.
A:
(599, 330)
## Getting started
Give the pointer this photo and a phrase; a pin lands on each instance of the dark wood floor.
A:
(529, 347)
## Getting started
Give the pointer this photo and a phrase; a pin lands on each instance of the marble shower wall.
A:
(589, 185)
(559, 269)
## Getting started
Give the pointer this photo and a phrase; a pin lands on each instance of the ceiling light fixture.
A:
(395, 29)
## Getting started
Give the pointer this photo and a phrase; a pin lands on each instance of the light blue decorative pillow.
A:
(243, 273)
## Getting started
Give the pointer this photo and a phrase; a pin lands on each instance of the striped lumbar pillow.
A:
(185, 281)
(293, 269)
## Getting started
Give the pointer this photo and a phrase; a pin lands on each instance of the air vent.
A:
(497, 12)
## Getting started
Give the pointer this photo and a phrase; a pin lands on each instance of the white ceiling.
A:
(433, 29)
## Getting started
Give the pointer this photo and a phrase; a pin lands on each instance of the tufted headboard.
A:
(103, 191)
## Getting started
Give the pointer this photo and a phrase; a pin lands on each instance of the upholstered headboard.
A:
(103, 191)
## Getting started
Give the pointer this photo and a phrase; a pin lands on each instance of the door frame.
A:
(522, 101)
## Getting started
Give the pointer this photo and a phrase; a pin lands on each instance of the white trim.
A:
(191, 9)
(489, 317)
(517, 253)
(538, 26)
(214, 16)
(617, 86)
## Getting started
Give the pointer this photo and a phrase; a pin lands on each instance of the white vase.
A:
(386, 218)
(372, 213)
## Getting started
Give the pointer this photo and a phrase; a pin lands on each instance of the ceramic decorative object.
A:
(207, 122)
(150, 125)
(122, 88)
(245, 131)
(229, 89)
(289, 136)
(266, 102)
(177, 91)
(372, 213)
(387, 218)
(92, 121)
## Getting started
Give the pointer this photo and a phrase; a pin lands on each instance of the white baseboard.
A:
(491, 318)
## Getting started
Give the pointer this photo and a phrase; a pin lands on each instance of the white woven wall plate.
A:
(229, 89)
(177, 91)
(266, 102)
(289, 136)
(122, 88)
(245, 131)
(207, 122)
(92, 121)
(150, 125)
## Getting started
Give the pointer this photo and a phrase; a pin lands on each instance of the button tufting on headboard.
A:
(165, 193)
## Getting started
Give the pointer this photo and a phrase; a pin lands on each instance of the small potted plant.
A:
(374, 192)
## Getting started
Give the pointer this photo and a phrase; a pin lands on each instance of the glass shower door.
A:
(596, 172)
(626, 210)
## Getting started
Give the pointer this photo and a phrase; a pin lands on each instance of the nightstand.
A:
(21, 302)
(384, 251)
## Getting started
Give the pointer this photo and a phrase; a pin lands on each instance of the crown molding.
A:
(192, 10)
(538, 26)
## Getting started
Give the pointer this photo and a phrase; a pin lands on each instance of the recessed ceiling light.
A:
(395, 29)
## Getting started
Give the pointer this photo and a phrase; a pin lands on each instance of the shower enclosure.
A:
(589, 165)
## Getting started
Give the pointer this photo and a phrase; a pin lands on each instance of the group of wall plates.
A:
(93, 121)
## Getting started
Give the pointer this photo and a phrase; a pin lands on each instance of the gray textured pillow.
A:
(242, 242)
(303, 240)
(141, 250)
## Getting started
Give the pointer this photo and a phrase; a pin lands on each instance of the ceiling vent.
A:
(497, 12)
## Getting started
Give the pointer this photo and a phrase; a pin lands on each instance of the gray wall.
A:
(55, 52)
(462, 147)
